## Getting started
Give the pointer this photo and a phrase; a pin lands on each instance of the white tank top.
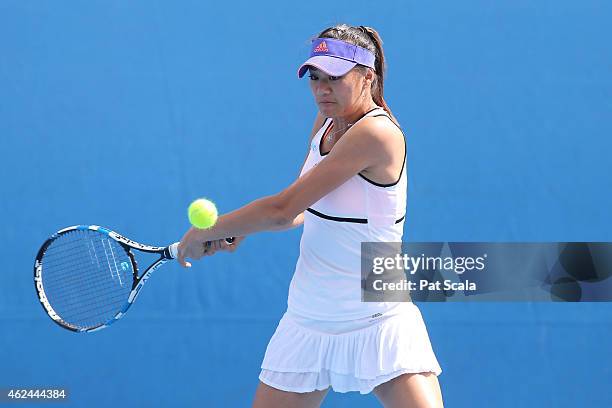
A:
(326, 284)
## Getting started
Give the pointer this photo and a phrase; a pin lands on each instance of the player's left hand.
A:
(221, 245)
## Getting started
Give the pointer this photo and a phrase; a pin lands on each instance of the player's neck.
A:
(345, 122)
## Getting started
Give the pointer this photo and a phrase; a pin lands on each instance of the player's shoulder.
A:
(380, 128)
(381, 122)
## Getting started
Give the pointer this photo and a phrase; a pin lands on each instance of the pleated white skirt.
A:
(305, 355)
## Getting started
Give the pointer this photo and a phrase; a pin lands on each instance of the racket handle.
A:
(173, 249)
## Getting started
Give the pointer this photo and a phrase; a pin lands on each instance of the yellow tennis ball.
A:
(202, 213)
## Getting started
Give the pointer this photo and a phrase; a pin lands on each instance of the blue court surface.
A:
(120, 113)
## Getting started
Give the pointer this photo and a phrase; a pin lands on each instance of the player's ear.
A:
(369, 76)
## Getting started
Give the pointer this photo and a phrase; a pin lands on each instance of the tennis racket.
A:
(86, 276)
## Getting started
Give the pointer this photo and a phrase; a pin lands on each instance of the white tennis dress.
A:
(328, 336)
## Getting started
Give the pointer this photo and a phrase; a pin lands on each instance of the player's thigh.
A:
(420, 390)
(270, 397)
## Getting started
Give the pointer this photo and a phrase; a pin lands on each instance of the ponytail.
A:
(378, 84)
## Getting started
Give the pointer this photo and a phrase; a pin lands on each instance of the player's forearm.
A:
(260, 215)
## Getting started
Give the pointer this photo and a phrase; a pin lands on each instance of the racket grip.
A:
(173, 249)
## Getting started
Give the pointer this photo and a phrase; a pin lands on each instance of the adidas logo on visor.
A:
(321, 48)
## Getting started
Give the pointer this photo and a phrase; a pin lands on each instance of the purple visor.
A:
(336, 57)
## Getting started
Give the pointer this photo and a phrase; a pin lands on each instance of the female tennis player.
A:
(352, 189)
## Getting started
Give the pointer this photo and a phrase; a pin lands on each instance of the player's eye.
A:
(316, 78)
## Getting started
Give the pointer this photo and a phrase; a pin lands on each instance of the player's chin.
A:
(327, 108)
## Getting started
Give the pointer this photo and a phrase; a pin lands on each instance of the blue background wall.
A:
(119, 113)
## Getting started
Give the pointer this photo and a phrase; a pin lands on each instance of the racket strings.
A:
(87, 277)
(64, 251)
(70, 298)
(70, 282)
(70, 261)
(91, 314)
(61, 282)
